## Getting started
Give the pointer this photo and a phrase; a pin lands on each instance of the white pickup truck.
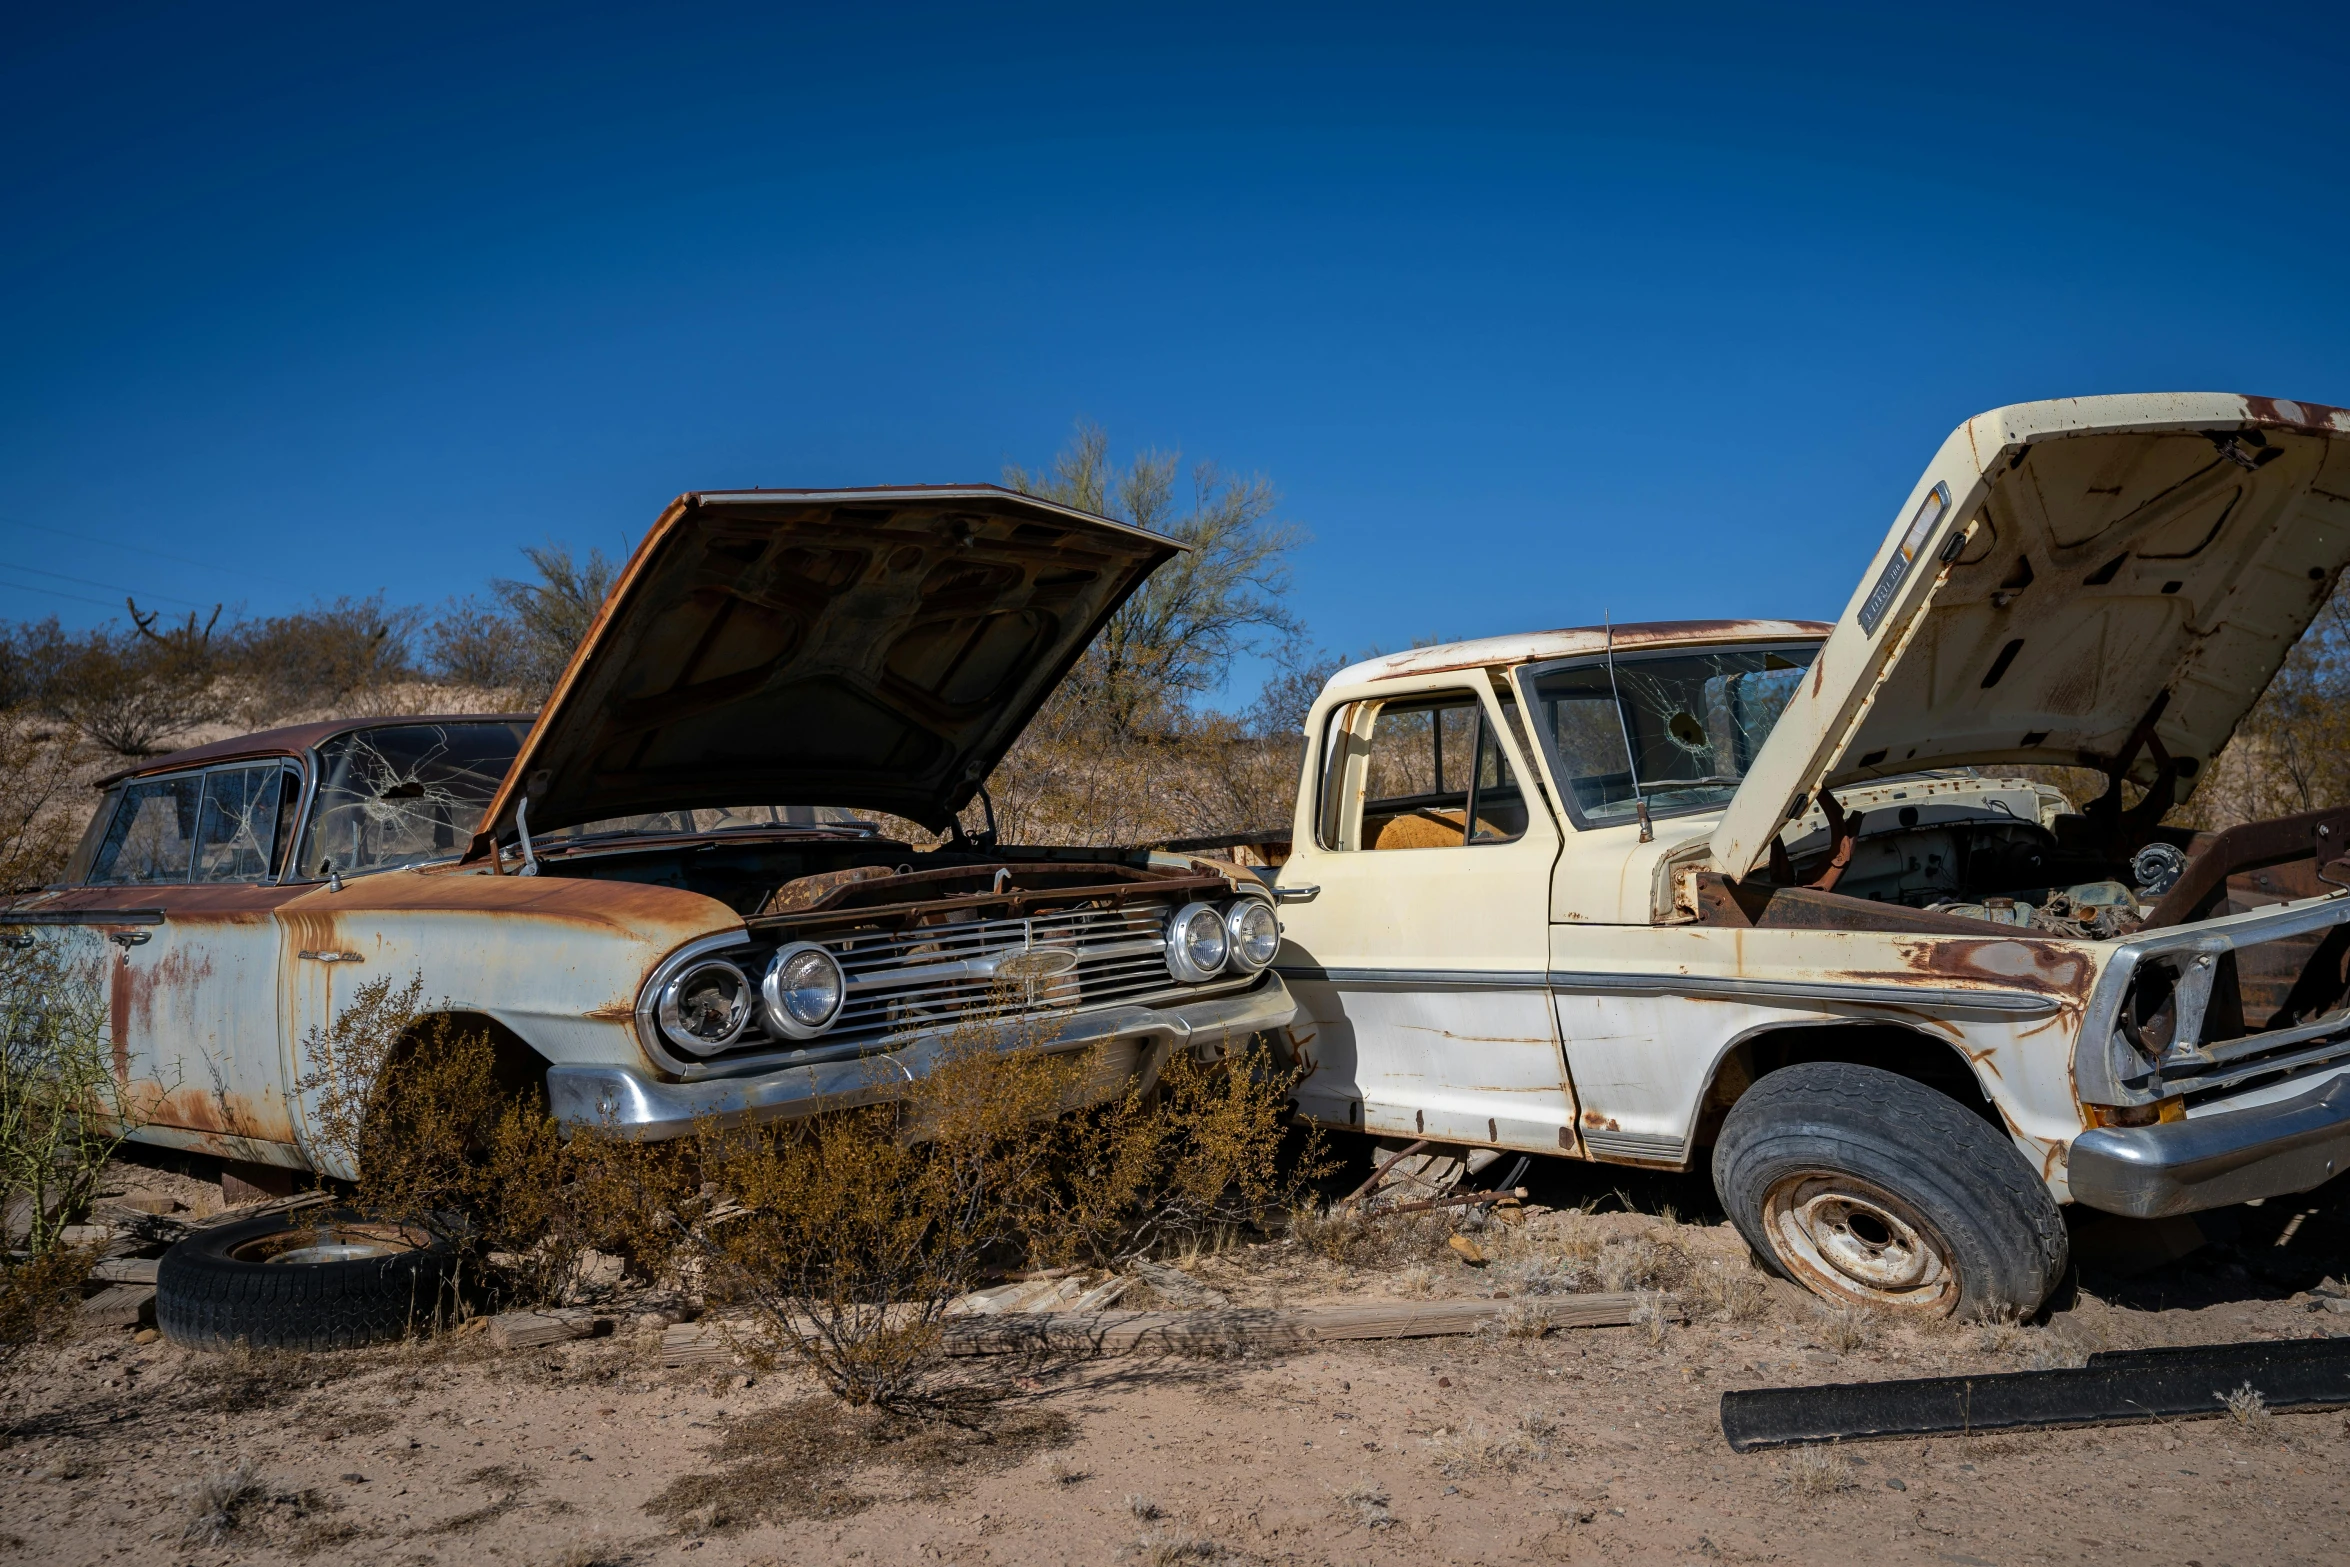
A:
(1760, 893)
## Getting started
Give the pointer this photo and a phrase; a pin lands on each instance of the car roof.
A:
(294, 740)
(1529, 647)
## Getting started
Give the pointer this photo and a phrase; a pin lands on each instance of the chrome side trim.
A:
(1463, 978)
(81, 917)
(1636, 1147)
(2212, 1161)
(1724, 987)
(631, 1104)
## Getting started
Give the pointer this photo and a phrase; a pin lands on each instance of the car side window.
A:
(237, 830)
(153, 835)
(1431, 774)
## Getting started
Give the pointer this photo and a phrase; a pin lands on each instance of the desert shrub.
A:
(322, 655)
(135, 692)
(851, 1234)
(41, 810)
(62, 1115)
(419, 1111)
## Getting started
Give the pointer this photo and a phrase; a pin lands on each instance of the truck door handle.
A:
(1283, 894)
(332, 957)
(127, 939)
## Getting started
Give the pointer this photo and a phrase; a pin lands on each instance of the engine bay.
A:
(1982, 861)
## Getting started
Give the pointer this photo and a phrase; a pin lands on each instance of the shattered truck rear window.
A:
(403, 794)
(1678, 729)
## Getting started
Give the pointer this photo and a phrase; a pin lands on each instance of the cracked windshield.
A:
(1693, 723)
(408, 793)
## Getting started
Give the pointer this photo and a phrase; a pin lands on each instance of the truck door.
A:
(1416, 923)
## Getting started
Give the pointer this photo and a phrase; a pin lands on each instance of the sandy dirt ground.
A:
(1581, 1445)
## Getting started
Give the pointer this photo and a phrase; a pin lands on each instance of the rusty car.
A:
(670, 897)
(1772, 897)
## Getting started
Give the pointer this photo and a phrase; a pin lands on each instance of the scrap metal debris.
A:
(2116, 1387)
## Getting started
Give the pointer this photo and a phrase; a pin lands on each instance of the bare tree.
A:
(553, 613)
(132, 693)
(1176, 638)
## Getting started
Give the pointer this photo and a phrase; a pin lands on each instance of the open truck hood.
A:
(874, 648)
(2070, 582)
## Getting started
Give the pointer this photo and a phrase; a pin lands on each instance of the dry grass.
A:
(1365, 1504)
(2248, 1411)
(1161, 1550)
(1474, 1450)
(1362, 1239)
(1523, 1319)
(1847, 1329)
(1733, 1295)
(1815, 1472)
(1416, 1281)
(1143, 1508)
(218, 1502)
(1652, 1314)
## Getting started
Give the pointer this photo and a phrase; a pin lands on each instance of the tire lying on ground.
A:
(1874, 1190)
(306, 1281)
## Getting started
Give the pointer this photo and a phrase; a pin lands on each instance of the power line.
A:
(87, 582)
(239, 572)
(56, 593)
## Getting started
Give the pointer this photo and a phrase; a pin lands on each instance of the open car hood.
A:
(873, 648)
(2103, 582)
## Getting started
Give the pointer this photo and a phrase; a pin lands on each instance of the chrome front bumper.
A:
(2211, 1161)
(628, 1102)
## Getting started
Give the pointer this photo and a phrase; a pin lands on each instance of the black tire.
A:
(216, 1289)
(1871, 1189)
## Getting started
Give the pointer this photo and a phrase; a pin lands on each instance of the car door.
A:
(188, 865)
(1416, 922)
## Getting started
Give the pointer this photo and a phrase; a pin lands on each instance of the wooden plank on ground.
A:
(1209, 1332)
(126, 1270)
(254, 1210)
(556, 1325)
(118, 1306)
(1197, 1332)
(695, 1344)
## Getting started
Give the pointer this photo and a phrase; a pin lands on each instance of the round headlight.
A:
(803, 990)
(1197, 942)
(707, 1007)
(1256, 934)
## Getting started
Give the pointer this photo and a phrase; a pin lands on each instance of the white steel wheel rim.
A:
(1853, 1240)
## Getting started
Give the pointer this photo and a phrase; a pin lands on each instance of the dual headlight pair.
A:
(1203, 940)
(709, 1005)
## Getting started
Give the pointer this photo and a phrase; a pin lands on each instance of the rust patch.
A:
(2317, 418)
(118, 1017)
(1600, 1123)
(136, 986)
(260, 1118)
(614, 1012)
(2014, 963)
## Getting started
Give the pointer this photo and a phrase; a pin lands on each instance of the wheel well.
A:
(517, 1065)
(1889, 1047)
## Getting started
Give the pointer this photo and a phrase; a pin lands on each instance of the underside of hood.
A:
(871, 648)
(2103, 582)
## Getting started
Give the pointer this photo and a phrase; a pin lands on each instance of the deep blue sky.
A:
(1530, 314)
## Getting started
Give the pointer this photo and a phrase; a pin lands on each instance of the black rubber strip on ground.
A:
(2116, 1387)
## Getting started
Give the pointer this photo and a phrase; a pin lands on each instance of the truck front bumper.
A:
(2211, 1161)
(632, 1104)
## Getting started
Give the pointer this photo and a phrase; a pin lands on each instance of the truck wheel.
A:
(1873, 1190)
(331, 1281)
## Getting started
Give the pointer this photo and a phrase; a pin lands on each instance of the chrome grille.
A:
(940, 975)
